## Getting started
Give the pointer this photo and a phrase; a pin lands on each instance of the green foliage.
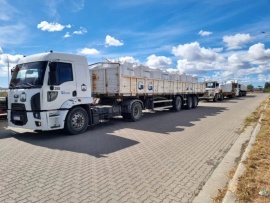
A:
(267, 85)
(250, 87)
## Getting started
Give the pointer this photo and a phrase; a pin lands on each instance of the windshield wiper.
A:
(13, 85)
(27, 85)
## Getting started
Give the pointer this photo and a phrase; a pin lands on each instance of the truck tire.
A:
(189, 103)
(240, 94)
(194, 102)
(76, 121)
(221, 97)
(177, 103)
(215, 98)
(136, 112)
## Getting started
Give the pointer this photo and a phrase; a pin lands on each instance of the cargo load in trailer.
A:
(50, 91)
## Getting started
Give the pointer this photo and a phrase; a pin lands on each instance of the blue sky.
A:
(218, 40)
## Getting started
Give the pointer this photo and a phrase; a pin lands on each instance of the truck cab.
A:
(212, 91)
(44, 87)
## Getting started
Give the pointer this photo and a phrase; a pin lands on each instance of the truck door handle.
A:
(74, 93)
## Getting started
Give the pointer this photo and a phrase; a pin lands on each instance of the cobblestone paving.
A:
(166, 157)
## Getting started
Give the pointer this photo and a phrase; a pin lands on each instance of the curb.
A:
(230, 194)
(219, 178)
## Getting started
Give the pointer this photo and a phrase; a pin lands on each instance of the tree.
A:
(267, 87)
(250, 87)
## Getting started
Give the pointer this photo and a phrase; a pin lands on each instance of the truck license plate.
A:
(17, 118)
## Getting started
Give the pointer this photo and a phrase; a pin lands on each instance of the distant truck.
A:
(241, 90)
(215, 91)
(50, 91)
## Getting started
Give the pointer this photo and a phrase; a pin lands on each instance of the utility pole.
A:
(8, 68)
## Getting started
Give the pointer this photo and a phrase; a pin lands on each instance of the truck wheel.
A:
(189, 103)
(194, 102)
(177, 103)
(221, 97)
(136, 112)
(215, 98)
(76, 121)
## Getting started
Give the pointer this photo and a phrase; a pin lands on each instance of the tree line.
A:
(266, 88)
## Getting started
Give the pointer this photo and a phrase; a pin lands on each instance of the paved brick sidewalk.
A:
(166, 157)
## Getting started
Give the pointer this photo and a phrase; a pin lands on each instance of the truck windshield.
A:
(28, 75)
(210, 85)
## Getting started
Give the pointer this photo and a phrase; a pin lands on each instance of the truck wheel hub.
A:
(77, 120)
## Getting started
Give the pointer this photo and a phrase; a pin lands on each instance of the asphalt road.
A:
(165, 157)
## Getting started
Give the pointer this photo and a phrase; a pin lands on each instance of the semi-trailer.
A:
(50, 91)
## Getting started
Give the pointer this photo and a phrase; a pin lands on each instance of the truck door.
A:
(61, 85)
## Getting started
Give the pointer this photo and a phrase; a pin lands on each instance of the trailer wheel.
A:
(194, 102)
(136, 112)
(189, 103)
(76, 121)
(177, 103)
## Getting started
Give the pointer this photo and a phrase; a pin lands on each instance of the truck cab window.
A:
(65, 72)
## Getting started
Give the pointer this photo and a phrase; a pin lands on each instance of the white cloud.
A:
(67, 35)
(237, 41)
(205, 33)
(129, 59)
(68, 26)
(51, 27)
(1, 50)
(8, 60)
(193, 52)
(111, 41)
(88, 51)
(161, 62)
(81, 31)
(258, 52)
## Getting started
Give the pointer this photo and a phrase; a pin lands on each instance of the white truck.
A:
(217, 91)
(241, 90)
(50, 91)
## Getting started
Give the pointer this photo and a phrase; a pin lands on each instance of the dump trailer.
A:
(50, 91)
(218, 91)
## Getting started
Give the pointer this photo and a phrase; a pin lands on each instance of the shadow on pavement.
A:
(100, 140)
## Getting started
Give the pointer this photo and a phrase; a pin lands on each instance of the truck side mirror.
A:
(53, 74)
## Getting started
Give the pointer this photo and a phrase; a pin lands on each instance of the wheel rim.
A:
(135, 111)
(77, 120)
